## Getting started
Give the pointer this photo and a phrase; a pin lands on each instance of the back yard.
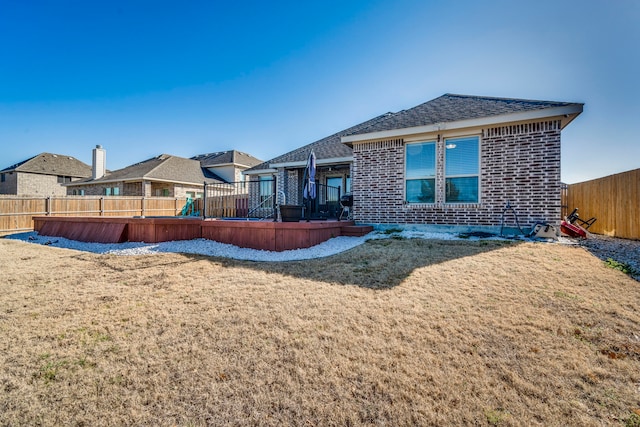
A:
(393, 332)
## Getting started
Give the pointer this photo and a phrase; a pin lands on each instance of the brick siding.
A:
(518, 163)
(33, 184)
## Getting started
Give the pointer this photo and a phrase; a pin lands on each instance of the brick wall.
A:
(10, 184)
(38, 184)
(518, 163)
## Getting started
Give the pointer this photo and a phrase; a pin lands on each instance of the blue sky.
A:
(142, 78)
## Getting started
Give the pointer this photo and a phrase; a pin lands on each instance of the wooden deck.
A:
(265, 235)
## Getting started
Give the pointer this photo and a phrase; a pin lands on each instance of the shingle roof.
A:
(52, 164)
(330, 147)
(226, 157)
(446, 108)
(451, 108)
(163, 168)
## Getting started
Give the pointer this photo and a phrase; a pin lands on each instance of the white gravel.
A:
(211, 248)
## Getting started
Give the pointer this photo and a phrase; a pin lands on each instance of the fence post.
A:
(142, 206)
(48, 206)
(101, 206)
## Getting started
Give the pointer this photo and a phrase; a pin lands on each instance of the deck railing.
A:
(243, 199)
(260, 199)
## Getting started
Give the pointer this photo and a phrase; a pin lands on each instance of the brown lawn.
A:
(395, 332)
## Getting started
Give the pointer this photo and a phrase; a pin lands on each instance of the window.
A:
(461, 170)
(266, 192)
(63, 179)
(112, 191)
(3, 177)
(333, 182)
(421, 172)
(348, 184)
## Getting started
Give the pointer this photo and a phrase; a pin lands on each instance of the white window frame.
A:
(476, 175)
(434, 176)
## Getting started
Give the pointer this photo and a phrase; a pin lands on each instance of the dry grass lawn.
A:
(395, 332)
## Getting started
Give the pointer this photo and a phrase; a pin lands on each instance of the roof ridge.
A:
(499, 98)
(159, 157)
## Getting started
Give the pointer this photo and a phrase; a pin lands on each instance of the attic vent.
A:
(537, 127)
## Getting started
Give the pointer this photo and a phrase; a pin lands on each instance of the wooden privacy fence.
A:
(614, 200)
(16, 212)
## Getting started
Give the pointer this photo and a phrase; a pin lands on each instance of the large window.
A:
(421, 172)
(333, 182)
(461, 170)
(266, 192)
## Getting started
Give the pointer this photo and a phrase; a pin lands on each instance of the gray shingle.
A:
(52, 164)
(451, 108)
(164, 168)
(226, 157)
(446, 108)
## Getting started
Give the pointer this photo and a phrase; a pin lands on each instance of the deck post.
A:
(204, 201)
(274, 198)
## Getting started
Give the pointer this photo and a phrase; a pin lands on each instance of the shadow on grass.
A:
(376, 264)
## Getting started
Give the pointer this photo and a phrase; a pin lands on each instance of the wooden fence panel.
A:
(614, 200)
(16, 213)
(162, 206)
(73, 206)
(122, 206)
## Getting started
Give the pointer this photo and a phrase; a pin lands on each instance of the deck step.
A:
(356, 230)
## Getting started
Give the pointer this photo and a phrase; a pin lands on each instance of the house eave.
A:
(259, 171)
(567, 113)
(217, 165)
(303, 163)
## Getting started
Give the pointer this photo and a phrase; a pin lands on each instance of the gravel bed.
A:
(621, 250)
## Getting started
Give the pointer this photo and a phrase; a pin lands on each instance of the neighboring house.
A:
(455, 160)
(43, 175)
(228, 165)
(161, 176)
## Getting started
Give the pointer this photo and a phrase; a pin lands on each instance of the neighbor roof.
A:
(327, 148)
(161, 168)
(450, 108)
(227, 157)
(52, 164)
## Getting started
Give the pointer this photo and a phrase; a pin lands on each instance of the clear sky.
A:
(142, 78)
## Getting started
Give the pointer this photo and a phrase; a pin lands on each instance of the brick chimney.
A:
(99, 164)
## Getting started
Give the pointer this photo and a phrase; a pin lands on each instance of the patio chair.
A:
(573, 217)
